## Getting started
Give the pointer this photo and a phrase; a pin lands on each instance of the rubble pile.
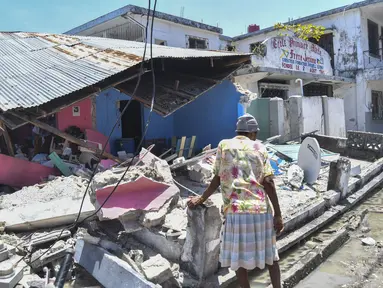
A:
(202, 172)
(155, 242)
(140, 232)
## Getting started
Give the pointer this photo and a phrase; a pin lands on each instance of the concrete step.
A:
(298, 258)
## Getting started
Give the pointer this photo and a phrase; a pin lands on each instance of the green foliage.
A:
(258, 49)
(304, 32)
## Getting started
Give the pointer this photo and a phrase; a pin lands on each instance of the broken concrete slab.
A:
(48, 205)
(42, 238)
(157, 240)
(9, 276)
(108, 269)
(45, 215)
(368, 241)
(200, 253)
(134, 197)
(157, 269)
(155, 218)
(339, 176)
(176, 220)
(40, 258)
(163, 168)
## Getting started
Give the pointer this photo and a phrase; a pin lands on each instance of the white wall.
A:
(312, 114)
(347, 34)
(175, 34)
(334, 118)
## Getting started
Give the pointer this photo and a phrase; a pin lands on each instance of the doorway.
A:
(131, 121)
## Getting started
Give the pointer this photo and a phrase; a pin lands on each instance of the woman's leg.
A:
(243, 278)
(275, 275)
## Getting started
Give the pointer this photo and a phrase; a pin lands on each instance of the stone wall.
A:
(364, 145)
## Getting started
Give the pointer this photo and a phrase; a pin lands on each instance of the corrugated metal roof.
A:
(37, 68)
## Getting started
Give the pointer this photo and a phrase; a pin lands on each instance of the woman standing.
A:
(244, 174)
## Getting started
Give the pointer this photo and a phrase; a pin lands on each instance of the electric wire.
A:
(77, 222)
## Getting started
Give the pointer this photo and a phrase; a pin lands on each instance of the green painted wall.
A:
(260, 109)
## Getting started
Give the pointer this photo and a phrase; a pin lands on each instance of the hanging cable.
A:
(77, 222)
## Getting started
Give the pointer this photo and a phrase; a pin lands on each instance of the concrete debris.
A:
(295, 176)
(201, 249)
(46, 237)
(155, 218)
(179, 160)
(368, 241)
(202, 171)
(9, 276)
(153, 237)
(71, 187)
(247, 95)
(110, 271)
(40, 258)
(157, 269)
(176, 220)
(137, 256)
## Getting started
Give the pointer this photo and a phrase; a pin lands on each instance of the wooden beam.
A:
(65, 136)
(178, 92)
(199, 78)
(7, 139)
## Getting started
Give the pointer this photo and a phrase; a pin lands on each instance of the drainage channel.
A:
(347, 262)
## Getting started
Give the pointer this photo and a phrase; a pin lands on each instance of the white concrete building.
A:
(129, 23)
(354, 41)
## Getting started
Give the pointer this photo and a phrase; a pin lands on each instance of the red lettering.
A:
(286, 65)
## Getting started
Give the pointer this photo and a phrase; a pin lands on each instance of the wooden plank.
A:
(182, 146)
(187, 147)
(177, 92)
(7, 139)
(191, 148)
(65, 136)
(171, 157)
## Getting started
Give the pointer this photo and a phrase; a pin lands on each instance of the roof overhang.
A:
(50, 72)
(251, 73)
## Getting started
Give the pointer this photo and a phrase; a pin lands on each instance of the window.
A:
(318, 89)
(373, 38)
(327, 43)
(230, 48)
(193, 42)
(160, 42)
(271, 89)
(377, 105)
(258, 48)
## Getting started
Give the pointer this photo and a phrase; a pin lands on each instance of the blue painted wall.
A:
(159, 126)
(211, 117)
(108, 112)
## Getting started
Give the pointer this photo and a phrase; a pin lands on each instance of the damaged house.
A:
(47, 82)
(348, 66)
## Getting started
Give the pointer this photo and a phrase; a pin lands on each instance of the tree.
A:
(304, 32)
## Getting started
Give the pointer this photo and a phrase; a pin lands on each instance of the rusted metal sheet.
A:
(36, 68)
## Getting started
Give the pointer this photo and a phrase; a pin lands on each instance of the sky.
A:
(54, 16)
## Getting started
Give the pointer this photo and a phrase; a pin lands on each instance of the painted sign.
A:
(295, 54)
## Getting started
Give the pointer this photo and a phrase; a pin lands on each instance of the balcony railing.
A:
(373, 59)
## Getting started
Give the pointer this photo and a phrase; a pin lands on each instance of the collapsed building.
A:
(132, 226)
